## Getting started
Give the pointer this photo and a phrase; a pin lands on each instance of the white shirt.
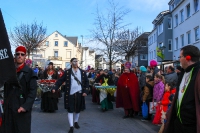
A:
(75, 87)
(185, 80)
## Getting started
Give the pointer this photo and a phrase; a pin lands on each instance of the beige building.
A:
(59, 49)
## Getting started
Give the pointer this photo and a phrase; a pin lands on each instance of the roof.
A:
(143, 35)
(73, 40)
(160, 15)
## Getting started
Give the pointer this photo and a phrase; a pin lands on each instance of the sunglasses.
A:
(18, 54)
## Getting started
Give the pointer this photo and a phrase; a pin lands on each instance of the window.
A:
(189, 37)
(56, 35)
(160, 45)
(55, 53)
(182, 16)
(196, 4)
(56, 43)
(176, 43)
(169, 23)
(68, 54)
(160, 28)
(65, 43)
(196, 30)
(154, 53)
(176, 20)
(170, 44)
(143, 57)
(182, 40)
(188, 10)
(67, 65)
(47, 43)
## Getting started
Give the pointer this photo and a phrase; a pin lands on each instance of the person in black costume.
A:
(76, 88)
(49, 99)
(18, 100)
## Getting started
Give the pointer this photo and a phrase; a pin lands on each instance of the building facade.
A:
(140, 51)
(59, 49)
(186, 22)
(88, 58)
(161, 38)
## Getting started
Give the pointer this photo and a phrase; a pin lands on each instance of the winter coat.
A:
(142, 81)
(148, 91)
(171, 77)
(67, 78)
(165, 101)
(158, 91)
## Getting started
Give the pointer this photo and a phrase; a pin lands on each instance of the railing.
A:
(55, 58)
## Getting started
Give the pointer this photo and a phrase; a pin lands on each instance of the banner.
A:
(7, 66)
(160, 53)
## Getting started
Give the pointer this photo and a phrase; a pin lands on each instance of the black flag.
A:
(7, 66)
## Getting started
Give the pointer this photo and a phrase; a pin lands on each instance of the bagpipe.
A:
(46, 84)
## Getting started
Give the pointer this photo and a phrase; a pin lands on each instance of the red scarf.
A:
(20, 67)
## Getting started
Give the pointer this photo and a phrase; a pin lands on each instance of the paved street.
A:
(92, 120)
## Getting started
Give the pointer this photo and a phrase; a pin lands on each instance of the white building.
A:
(88, 58)
(152, 44)
(186, 22)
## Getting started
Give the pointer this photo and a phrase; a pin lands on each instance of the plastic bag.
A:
(144, 110)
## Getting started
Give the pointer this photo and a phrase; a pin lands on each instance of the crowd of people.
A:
(168, 98)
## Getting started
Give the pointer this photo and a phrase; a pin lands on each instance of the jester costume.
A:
(105, 98)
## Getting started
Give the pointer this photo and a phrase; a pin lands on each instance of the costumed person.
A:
(95, 92)
(77, 86)
(128, 93)
(49, 101)
(184, 114)
(105, 98)
(18, 100)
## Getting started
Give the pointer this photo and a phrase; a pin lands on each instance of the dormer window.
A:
(56, 35)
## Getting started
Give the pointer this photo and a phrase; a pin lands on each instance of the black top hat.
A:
(50, 63)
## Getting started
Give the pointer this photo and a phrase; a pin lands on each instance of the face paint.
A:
(74, 62)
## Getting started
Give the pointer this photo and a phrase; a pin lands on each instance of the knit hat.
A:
(143, 69)
(50, 63)
(20, 48)
(153, 63)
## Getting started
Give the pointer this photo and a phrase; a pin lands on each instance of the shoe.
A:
(71, 130)
(126, 116)
(76, 125)
(143, 119)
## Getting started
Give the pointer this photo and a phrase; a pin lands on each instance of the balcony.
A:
(54, 58)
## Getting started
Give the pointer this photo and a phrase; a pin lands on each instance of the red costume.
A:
(128, 92)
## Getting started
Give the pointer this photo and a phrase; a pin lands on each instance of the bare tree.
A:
(126, 42)
(31, 36)
(106, 29)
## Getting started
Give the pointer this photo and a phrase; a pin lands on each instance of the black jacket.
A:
(66, 77)
(28, 90)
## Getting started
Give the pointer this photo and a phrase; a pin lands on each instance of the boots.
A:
(71, 130)
(76, 125)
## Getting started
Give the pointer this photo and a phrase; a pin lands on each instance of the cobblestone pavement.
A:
(92, 120)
